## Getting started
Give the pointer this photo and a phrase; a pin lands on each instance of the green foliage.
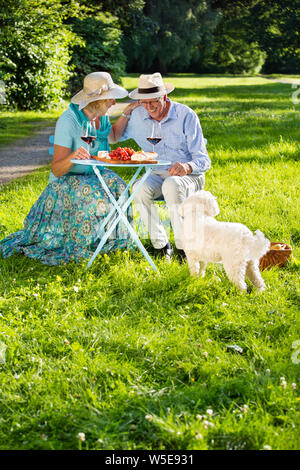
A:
(100, 48)
(47, 47)
(170, 34)
(237, 56)
(35, 53)
(273, 27)
(278, 33)
(214, 36)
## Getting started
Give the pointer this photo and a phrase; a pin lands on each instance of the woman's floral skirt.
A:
(63, 224)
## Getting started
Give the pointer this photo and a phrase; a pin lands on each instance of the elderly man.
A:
(182, 143)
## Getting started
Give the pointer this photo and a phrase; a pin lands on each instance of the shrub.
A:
(35, 53)
(238, 57)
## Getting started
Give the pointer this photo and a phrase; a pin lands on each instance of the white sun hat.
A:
(98, 86)
(151, 86)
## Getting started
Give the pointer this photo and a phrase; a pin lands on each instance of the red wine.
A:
(89, 139)
(154, 140)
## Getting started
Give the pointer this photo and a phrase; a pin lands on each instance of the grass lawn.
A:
(22, 124)
(137, 359)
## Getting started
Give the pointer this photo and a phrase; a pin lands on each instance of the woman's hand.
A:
(62, 159)
(121, 124)
(80, 154)
(131, 107)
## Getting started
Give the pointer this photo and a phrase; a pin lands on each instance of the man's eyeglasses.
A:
(146, 103)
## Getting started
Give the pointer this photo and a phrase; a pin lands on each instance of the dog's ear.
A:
(211, 205)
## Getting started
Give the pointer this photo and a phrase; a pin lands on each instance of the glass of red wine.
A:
(88, 132)
(156, 136)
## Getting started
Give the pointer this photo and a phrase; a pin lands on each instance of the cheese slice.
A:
(103, 154)
(143, 156)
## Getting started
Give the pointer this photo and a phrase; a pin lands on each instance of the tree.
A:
(116, 25)
(276, 26)
(271, 27)
(100, 48)
(174, 31)
(35, 48)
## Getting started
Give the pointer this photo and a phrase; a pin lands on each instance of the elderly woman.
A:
(63, 224)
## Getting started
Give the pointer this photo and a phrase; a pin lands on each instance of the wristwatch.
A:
(190, 168)
(127, 116)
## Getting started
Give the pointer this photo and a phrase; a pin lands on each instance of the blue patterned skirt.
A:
(63, 224)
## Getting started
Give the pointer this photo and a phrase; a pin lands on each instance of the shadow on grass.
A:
(252, 90)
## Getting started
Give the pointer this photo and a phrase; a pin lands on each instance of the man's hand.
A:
(180, 169)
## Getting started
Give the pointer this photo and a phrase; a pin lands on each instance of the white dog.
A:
(205, 239)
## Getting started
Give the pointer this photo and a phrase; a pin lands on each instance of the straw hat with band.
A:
(98, 86)
(151, 86)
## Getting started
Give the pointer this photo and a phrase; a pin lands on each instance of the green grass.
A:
(22, 124)
(133, 358)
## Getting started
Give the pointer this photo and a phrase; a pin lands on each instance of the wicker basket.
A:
(275, 257)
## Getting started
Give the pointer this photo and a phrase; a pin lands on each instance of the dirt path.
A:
(25, 155)
(292, 81)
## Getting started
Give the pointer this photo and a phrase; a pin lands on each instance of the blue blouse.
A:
(68, 130)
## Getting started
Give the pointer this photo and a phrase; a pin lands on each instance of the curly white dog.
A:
(205, 239)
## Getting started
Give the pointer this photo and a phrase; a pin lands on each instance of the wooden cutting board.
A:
(106, 160)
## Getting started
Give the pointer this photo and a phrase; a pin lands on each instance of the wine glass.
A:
(88, 132)
(155, 134)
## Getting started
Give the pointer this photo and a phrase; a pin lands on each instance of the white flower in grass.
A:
(198, 436)
(199, 417)
(245, 408)
(75, 288)
(100, 441)
(209, 412)
(207, 424)
(81, 436)
(267, 447)
(283, 382)
(294, 386)
(149, 417)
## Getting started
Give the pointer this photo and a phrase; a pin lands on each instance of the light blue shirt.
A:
(68, 132)
(182, 137)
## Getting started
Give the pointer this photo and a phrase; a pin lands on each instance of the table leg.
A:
(121, 211)
(120, 200)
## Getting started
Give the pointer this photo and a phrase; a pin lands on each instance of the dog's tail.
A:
(260, 245)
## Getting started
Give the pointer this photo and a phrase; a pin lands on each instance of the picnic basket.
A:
(275, 257)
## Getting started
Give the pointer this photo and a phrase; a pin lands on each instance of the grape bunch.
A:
(121, 153)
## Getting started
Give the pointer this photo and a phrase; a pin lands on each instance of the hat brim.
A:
(82, 99)
(135, 95)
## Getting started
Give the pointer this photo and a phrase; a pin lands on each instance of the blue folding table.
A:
(118, 211)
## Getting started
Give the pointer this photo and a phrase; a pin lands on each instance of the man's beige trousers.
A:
(175, 189)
